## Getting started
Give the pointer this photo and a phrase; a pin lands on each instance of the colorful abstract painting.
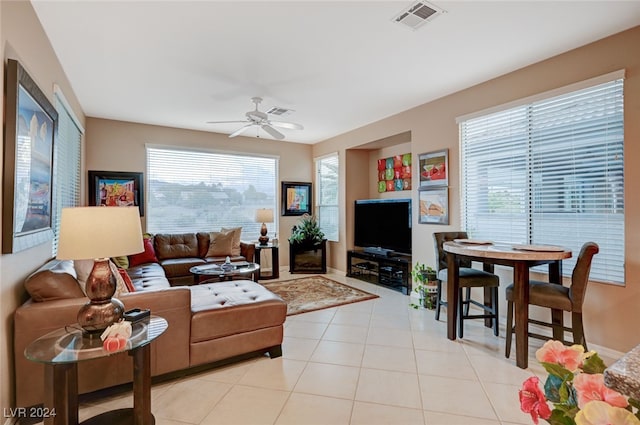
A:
(394, 173)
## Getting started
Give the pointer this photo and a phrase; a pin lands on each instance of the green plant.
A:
(307, 232)
(425, 278)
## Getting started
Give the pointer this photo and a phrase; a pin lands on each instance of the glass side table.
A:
(62, 349)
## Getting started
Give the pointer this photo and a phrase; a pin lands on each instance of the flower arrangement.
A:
(575, 387)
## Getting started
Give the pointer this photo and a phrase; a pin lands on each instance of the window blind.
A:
(203, 191)
(66, 164)
(328, 214)
(550, 172)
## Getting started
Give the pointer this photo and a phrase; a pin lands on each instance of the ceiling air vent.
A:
(417, 14)
(279, 111)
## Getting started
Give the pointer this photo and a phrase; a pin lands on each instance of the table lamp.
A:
(99, 233)
(264, 215)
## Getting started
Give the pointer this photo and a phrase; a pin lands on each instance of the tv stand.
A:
(391, 271)
(378, 251)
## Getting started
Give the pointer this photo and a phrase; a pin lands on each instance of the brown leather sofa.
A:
(207, 323)
(177, 253)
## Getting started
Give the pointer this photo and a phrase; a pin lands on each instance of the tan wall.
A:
(107, 140)
(610, 316)
(23, 38)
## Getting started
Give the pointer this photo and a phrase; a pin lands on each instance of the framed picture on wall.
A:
(296, 198)
(434, 206)
(30, 128)
(116, 189)
(433, 168)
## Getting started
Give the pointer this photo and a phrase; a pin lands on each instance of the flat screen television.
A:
(383, 223)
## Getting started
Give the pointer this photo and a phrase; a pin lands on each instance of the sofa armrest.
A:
(248, 251)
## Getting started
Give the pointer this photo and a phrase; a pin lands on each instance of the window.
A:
(66, 163)
(327, 174)
(550, 172)
(202, 191)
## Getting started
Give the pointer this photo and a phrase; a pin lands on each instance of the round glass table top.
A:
(71, 344)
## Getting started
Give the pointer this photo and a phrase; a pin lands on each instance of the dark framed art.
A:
(433, 168)
(296, 198)
(116, 189)
(434, 206)
(30, 129)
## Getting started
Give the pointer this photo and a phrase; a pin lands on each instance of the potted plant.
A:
(307, 233)
(307, 247)
(425, 280)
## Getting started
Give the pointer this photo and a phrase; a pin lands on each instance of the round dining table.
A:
(521, 258)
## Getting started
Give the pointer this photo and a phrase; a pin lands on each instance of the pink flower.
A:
(533, 401)
(601, 413)
(591, 387)
(556, 352)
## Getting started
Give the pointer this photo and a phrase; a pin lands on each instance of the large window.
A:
(550, 172)
(327, 174)
(66, 163)
(202, 191)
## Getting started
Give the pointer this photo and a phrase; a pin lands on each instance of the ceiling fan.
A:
(261, 120)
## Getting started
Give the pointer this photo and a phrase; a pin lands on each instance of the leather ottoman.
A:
(232, 318)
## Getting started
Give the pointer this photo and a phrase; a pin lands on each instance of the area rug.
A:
(315, 293)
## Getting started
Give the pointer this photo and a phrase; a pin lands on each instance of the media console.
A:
(390, 271)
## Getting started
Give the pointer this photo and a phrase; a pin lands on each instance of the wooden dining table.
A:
(521, 258)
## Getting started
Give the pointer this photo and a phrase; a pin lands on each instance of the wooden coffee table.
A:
(216, 272)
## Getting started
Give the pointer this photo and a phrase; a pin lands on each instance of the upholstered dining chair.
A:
(558, 298)
(469, 278)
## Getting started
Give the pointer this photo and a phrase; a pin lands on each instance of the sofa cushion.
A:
(220, 244)
(228, 308)
(54, 281)
(148, 277)
(146, 256)
(175, 267)
(83, 269)
(182, 245)
(122, 262)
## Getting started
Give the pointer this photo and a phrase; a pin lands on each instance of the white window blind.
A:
(203, 191)
(550, 172)
(66, 164)
(327, 176)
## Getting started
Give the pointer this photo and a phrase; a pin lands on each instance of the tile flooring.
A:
(372, 362)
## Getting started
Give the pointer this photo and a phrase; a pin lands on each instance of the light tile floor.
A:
(372, 362)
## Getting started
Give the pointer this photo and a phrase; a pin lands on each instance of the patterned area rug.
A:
(315, 293)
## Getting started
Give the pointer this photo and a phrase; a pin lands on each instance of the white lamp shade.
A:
(264, 215)
(99, 232)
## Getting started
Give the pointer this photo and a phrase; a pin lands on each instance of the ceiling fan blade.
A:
(273, 132)
(289, 125)
(225, 122)
(240, 130)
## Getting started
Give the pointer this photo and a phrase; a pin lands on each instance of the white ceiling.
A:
(339, 64)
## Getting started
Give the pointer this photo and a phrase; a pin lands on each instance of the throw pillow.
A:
(220, 244)
(121, 262)
(121, 287)
(83, 270)
(127, 280)
(147, 256)
(237, 234)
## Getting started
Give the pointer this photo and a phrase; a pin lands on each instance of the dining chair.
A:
(558, 298)
(469, 277)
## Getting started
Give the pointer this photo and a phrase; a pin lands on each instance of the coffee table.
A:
(208, 272)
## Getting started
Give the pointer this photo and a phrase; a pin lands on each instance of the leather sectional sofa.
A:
(207, 323)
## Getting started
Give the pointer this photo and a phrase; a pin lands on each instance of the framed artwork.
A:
(394, 173)
(116, 189)
(30, 128)
(434, 206)
(296, 198)
(433, 168)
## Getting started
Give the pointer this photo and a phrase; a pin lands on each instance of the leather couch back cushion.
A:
(54, 282)
(176, 245)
